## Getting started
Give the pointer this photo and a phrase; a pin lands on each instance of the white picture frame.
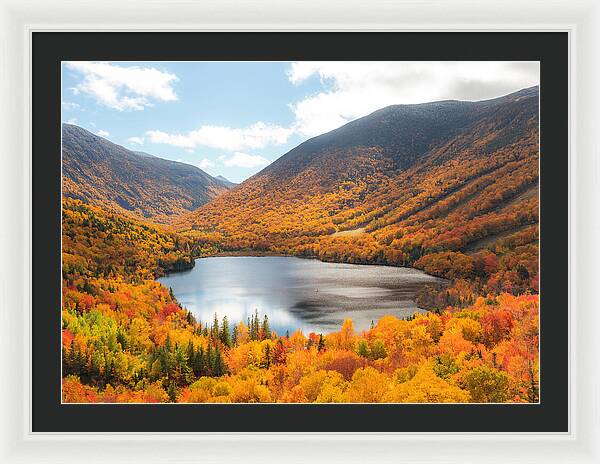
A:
(19, 18)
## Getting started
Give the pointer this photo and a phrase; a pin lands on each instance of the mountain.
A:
(401, 184)
(98, 171)
(226, 181)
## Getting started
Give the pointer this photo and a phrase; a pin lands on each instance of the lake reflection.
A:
(296, 293)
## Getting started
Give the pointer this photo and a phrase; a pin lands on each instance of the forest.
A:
(127, 339)
(450, 188)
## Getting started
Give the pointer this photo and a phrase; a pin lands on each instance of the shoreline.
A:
(250, 253)
(259, 254)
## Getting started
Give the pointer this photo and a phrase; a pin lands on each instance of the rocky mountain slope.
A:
(98, 171)
(404, 185)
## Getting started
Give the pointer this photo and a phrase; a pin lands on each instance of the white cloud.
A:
(70, 105)
(356, 89)
(136, 140)
(123, 88)
(72, 121)
(103, 133)
(205, 163)
(256, 136)
(351, 90)
(244, 160)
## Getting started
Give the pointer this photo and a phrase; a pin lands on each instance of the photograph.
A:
(296, 232)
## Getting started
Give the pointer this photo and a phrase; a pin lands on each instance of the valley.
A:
(448, 188)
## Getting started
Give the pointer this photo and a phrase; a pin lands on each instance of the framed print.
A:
(388, 262)
(265, 237)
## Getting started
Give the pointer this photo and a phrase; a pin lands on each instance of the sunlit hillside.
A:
(448, 187)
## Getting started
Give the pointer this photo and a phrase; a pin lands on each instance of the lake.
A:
(296, 293)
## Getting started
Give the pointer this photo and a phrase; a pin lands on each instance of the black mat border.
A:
(49, 48)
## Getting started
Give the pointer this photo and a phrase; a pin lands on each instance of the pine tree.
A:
(209, 360)
(181, 372)
(225, 338)
(321, 345)
(266, 329)
(95, 364)
(191, 356)
(267, 362)
(256, 324)
(363, 349)
(234, 336)
(218, 368)
(172, 392)
(191, 320)
(251, 328)
(215, 330)
(198, 365)
(163, 359)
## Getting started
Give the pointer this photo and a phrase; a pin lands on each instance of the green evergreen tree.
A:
(321, 345)
(225, 337)
(218, 368)
(95, 364)
(378, 350)
(251, 328)
(182, 374)
(215, 330)
(191, 320)
(266, 328)
(172, 392)
(209, 360)
(191, 356)
(267, 362)
(363, 349)
(234, 336)
(256, 325)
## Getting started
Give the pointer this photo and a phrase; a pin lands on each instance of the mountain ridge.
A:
(414, 182)
(348, 132)
(101, 172)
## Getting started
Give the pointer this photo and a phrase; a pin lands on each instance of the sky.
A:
(234, 118)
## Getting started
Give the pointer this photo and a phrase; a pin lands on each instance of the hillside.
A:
(441, 186)
(448, 187)
(101, 172)
(125, 338)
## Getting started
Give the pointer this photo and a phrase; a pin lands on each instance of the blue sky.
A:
(234, 118)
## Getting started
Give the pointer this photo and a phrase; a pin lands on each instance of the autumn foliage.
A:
(487, 352)
(463, 207)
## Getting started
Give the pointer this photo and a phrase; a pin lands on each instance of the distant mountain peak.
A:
(226, 181)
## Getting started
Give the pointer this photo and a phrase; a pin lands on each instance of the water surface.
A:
(296, 293)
